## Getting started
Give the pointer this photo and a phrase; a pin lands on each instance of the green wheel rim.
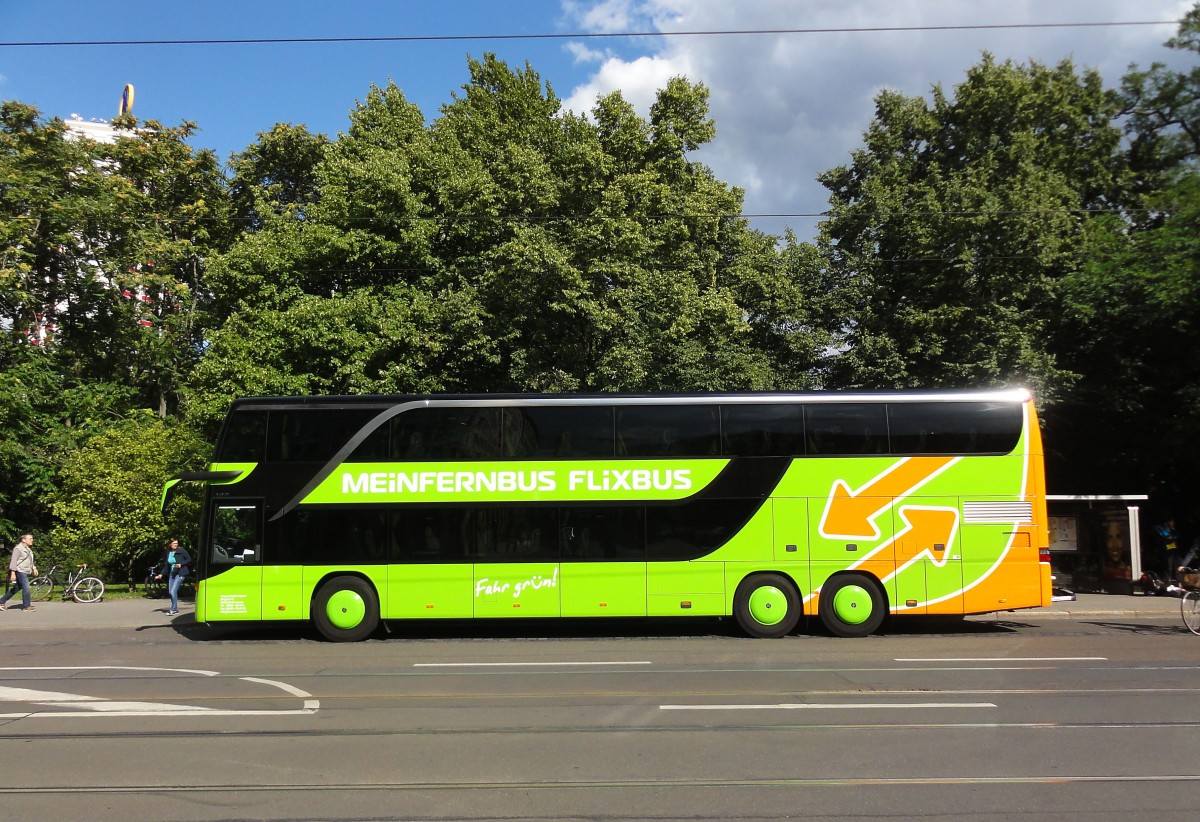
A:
(768, 605)
(345, 609)
(852, 604)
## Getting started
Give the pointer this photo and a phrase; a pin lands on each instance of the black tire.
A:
(1189, 606)
(88, 589)
(851, 605)
(767, 606)
(346, 609)
(40, 588)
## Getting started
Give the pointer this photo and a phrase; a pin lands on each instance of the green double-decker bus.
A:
(767, 507)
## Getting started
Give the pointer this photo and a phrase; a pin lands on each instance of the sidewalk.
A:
(109, 613)
(1092, 606)
(138, 613)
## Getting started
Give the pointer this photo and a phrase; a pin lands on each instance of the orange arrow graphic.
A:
(849, 514)
(928, 530)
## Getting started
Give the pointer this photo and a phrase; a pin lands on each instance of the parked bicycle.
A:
(78, 585)
(155, 584)
(1189, 606)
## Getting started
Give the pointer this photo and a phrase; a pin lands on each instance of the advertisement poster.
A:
(1115, 534)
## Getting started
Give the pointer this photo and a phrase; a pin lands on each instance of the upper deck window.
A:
(447, 433)
(954, 427)
(558, 432)
(774, 430)
(245, 438)
(313, 434)
(668, 431)
(846, 429)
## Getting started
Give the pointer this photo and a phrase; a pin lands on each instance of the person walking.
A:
(176, 566)
(20, 568)
(1166, 548)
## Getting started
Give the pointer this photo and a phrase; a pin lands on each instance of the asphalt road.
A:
(1032, 715)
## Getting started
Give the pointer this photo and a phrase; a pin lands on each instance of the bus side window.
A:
(519, 436)
(662, 431)
(570, 432)
(235, 535)
(426, 535)
(441, 433)
(775, 430)
(375, 448)
(313, 434)
(616, 533)
(954, 427)
(846, 429)
(244, 438)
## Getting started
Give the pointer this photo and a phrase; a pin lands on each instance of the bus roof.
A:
(1015, 395)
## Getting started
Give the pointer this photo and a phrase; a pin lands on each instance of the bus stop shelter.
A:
(1095, 542)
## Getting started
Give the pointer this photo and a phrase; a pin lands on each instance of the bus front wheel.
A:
(851, 605)
(346, 609)
(766, 606)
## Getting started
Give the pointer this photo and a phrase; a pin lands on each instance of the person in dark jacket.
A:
(175, 565)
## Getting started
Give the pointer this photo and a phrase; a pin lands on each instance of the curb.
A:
(1076, 614)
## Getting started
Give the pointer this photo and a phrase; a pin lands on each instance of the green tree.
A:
(102, 248)
(45, 413)
(952, 230)
(1129, 422)
(1162, 110)
(57, 211)
(277, 174)
(172, 216)
(506, 246)
(108, 494)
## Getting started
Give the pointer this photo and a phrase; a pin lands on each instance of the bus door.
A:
(603, 561)
(928, 556)
(234, 582)
(515, 561)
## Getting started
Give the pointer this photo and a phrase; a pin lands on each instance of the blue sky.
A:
(787, 106)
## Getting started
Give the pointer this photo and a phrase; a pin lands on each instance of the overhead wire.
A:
(436, 38)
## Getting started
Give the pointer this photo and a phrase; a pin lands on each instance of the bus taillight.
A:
(1044, 555)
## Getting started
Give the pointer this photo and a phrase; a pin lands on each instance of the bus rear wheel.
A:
(851, 605)
(766, 606)
(345, 609)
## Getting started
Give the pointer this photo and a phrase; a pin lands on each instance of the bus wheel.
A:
(766, 605)
(851, 605)
(345, 609)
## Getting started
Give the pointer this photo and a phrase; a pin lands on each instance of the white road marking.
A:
(793, 706)
(86, 705)
(1006, 659)
(109, 668)
(518, 664)
(91, 703)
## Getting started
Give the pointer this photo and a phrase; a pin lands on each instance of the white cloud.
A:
(638, 80)
(606, 16)
(789, 106)
(583, 54)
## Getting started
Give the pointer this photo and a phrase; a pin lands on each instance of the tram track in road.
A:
(619, 784)
(558, 730)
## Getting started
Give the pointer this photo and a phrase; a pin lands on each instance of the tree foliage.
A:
(108, 493)
(102, 253)
(506, 246)
(954, 227)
